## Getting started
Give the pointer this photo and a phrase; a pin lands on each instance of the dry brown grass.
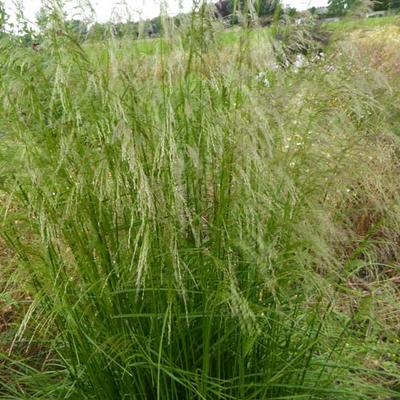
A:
(380, 48)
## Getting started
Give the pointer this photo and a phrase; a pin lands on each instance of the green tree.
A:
(261, 8)
(97, 32)
(3, 16)
(78, 28)
(381, 5)
(395, 4)
(43, 18)
(291, 12)
(224, 8)
(266, 7)
(126, 29)
(155, 26)
(340, 7)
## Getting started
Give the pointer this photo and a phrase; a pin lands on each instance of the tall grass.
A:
(187, 233)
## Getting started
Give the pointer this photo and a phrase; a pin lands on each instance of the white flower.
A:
(260, 76)
(300, 61)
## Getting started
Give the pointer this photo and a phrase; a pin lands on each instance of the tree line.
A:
(338, 8)
(231, 12)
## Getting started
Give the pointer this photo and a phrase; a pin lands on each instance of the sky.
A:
(106, 9)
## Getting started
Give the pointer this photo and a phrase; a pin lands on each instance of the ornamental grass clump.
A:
(184, 232)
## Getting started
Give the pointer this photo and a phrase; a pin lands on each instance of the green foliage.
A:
(343, 7)
(77, 28)
(183, 232)
(340, 7)
(3, 16)
(97, 32)
(43, 18)
(381, 5)
(156, 26)
(313, 10)
(259, 8)
(291, 12)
